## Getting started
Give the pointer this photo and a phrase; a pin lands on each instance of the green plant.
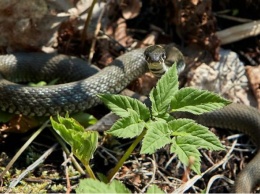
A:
(83, 143)
(154, 125)
(95, 186)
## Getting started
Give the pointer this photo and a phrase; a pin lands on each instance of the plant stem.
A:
(66, 150)
(90, 172)
(126, 155)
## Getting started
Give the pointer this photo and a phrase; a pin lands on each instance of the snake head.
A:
(155, 53)
(161, 58)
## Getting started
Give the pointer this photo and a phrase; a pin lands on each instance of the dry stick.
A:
(233, 18)
(31, 167)
(153, 175)
(239, 32)
(84, 32)
(93, 44)
(66, 160)
(170, 161)
(29, 141)
(218, 176)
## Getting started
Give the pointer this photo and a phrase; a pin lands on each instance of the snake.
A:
(79, 84)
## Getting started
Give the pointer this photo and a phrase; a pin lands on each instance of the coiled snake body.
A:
(70, 97)
(80, 95)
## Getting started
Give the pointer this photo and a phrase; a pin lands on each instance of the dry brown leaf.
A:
(196, 24)
(137, 180)
(19, 124)
(121, 33)
(34, 23)
(253, 74)
(150, 39)
(131, 9)
(144, 84)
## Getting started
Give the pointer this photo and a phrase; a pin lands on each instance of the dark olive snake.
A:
(80, 95)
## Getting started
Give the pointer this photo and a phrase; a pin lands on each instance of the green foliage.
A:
(188, 137)
(84, 119)
(184, 135)
(43, 83)
(128, 127)
(121, 104)
(166, 88)
(157, 136)
(154, 126)
(196, 101)
(154, 189)
(95, 186)
(83, 143)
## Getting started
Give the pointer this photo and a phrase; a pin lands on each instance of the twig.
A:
(153, 175)
(250, 59)
(239, 32)
(234, 18)
(170, 161)
(104, 149)
(93, 44)
(17, 155)
(84, 32)
(31, 167)
(207, 157)
(212, 179)
(66, 160)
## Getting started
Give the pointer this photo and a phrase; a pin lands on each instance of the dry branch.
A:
(239, 32)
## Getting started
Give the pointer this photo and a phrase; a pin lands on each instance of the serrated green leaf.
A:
(194, 134)
(62, 131)
(119, 105)
(95, 186)
(154, 189)
(70, 123)
(185, 152)
(128, 127)
(83, 143)
(162, 94)
(157, 136)
(196, 101)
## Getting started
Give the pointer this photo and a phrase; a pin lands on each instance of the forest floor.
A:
(192, 26)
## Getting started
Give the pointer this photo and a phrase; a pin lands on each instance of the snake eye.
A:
(164, 56)
(147, 58)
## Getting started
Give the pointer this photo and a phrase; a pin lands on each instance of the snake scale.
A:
(80, 95)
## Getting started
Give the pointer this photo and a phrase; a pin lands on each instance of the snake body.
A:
(70, 97)
(80, 95)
